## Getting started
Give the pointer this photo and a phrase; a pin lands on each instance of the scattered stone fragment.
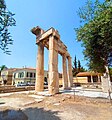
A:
(38, 100)
(56, 104)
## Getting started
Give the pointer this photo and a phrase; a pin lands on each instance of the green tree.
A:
(3, 67)
(75, 63)
(74, 68)
(96, 34)
(77, 67)
(110, 71)
(82, 69)
(6, 20)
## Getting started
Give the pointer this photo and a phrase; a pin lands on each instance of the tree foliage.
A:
(3, 67)
(96, 33)
(77, 67)
(6, 20)
(75, 62)
(110, 71)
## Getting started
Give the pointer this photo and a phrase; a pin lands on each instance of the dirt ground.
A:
(28, 106)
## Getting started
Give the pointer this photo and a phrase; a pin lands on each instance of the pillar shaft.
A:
(64, 75)
(53, 84)
(99, 78)
(91, 79)
(70, 77)
(39, 86)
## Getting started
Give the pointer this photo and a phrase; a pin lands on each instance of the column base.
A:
(67, 88)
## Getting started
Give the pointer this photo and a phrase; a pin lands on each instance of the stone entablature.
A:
(51, 40)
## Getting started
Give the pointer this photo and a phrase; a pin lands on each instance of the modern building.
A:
(87, 77)
(26, 76)
(6, 76)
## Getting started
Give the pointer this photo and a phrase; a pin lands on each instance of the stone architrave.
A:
(70, 78)
(40, 69)
(64, 75)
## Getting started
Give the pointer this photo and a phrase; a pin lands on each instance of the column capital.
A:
(64, 55)
(40, 43)
(69, 57)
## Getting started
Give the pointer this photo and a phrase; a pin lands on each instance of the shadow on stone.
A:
(29, 114)
(2, 103)
(41, 114)
(12, 115)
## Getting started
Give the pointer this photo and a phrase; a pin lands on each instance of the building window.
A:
(18, 75)
(14, 75)
(95, 79)
(34, 75)
(31, 74)
(21, 75)
(27, 74)
(89, 79)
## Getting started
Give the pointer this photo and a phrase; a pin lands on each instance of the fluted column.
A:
(53, 83)
(39, 86)
(70, 76)
(64, 75)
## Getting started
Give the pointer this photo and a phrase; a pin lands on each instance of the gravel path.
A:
(28, 106)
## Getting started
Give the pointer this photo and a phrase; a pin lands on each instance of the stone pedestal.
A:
(53, 84)
(40, 69)
(64, 74)
(106, 84)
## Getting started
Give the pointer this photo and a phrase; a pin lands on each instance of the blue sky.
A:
(60, 14)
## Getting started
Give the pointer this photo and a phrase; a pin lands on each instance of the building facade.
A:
(87, 77)
(6, 76)
(16, 76)
(26, 76)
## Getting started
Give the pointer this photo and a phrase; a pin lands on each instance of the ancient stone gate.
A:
(51, 40)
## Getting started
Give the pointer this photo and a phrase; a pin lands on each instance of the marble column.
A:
(39, 86)
(70, 76)
(53, 83)
(64, 74)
